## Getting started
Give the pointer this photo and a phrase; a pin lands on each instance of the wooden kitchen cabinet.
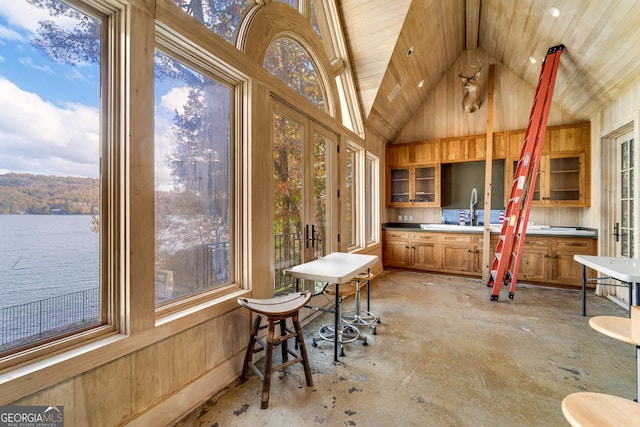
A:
(413, 186)
(463, 253)
(561, 181)
(564, 173)
(411, 250)
(533, 262)
(413, 153)
(546, 260)
(396, 249)
(471, 148)
(455, 250)
(565, 270)
(550, 260)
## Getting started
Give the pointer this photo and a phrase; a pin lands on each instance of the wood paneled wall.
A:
(441, 115)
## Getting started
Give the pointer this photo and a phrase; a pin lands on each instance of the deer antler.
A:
(479, 67)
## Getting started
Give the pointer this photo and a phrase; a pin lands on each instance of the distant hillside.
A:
(48, 195)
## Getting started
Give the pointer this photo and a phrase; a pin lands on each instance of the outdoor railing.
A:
(287, 253)
(37, 320)
(51, 316)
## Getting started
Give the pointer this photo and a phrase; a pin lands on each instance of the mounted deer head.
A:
(472, 98)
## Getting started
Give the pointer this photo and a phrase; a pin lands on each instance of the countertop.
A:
(532, 230)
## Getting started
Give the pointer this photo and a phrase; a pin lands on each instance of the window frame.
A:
(357, 196)
(190, 54)
(372, 199)
(112, 51)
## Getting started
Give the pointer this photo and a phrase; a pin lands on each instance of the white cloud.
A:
(38, 137)
(75, 74)
(173, 100)
(22, 15)
(7, 34)
(28, 61)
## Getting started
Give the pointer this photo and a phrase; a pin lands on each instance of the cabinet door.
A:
(566, 271)
(426, 251)
(426, 185)
(399, 186)
(533, 266)
(534, 261)
(399, 154)
(396, 254)
(456, 252)
(565, 179)
(427, 152)
(425, 256)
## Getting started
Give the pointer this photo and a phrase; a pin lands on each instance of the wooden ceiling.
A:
(600, 61)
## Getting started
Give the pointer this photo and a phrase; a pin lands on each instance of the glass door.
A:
(303, 206)
(622, 222)
(624, 229)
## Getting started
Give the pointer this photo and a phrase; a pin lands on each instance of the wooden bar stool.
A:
(274, 310)
(585, 409)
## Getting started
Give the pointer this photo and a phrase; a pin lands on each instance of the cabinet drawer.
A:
(455, 238)
(424, 237)
(535, 242)
(579, 245)
(396, 235)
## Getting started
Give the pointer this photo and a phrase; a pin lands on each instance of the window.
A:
(220, 16)
(288, 61)
(193, 179)
(371, 199)
(313, 17)
(50, 172)
(292, 3)
(352, 182)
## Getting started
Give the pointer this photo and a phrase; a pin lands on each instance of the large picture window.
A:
(193, 180)
(50, 179)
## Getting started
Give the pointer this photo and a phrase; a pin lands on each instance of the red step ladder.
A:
(508, 253)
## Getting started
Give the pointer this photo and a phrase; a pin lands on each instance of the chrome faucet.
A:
(473, 203)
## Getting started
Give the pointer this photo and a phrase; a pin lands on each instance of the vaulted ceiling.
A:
(600, 61)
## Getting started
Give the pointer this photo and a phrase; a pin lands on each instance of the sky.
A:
(49, 112)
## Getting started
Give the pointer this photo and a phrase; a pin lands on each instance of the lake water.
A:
(44, 256)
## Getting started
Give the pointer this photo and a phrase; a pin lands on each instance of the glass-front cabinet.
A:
(561, 181)
(417, 185)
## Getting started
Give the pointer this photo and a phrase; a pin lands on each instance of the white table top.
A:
(624, 269)
(337, 267)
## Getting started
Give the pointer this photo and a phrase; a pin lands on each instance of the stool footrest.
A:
(287, 363)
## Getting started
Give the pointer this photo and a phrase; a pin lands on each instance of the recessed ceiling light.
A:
(421, 83)
(555, 12)
(532, 60)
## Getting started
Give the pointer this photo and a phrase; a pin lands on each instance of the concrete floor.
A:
(444, 355)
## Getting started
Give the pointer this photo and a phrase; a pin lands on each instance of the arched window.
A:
(288, 61)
